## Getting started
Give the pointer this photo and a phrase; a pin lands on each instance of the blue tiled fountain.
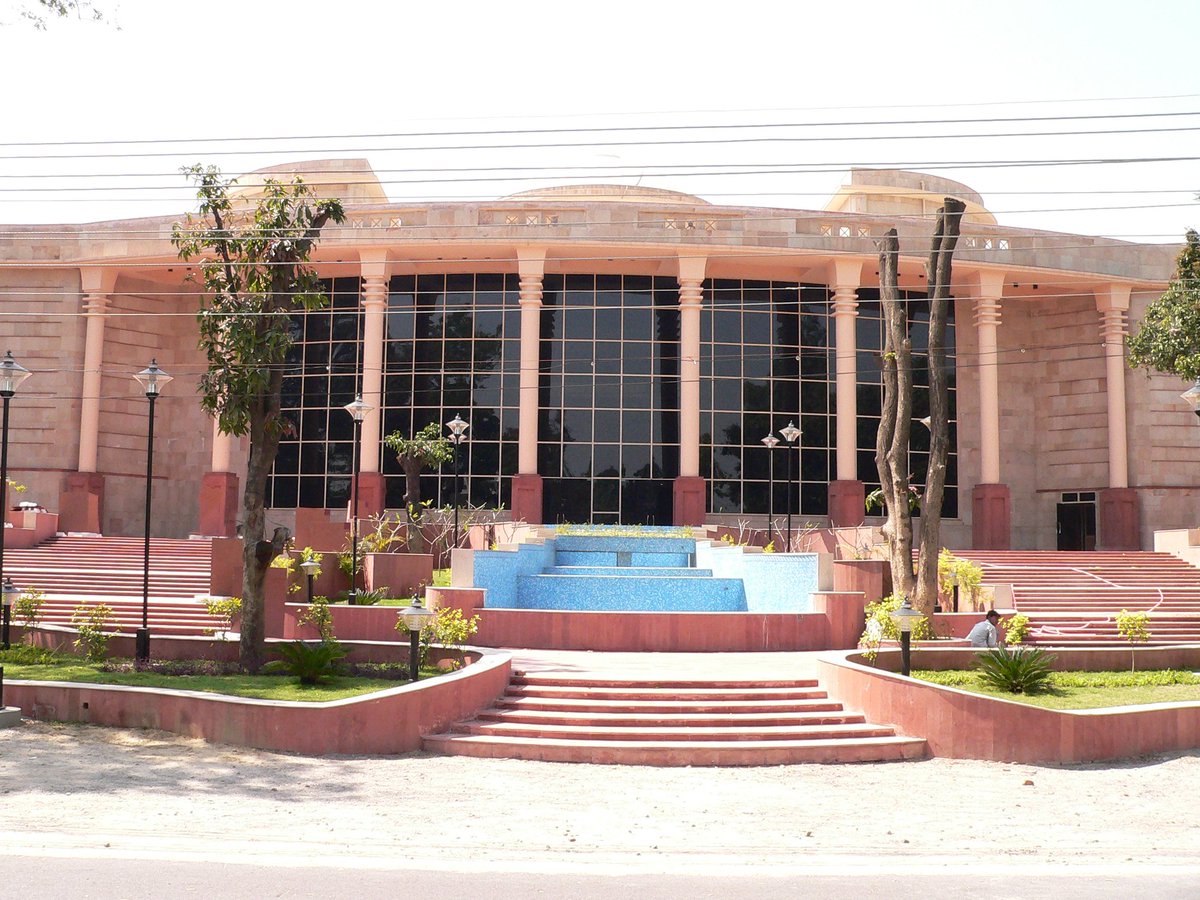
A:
(646, 572)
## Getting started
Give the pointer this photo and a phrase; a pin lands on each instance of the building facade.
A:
(619, 354)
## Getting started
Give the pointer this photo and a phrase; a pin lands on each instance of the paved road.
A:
(30, 878)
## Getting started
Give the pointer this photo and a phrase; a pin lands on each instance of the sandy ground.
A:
(80, 790)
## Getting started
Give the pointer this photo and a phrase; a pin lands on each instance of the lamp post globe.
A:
(152, 380)
(358, 411)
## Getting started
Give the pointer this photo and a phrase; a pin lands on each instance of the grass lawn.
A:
(1086, 690)
(265, 687)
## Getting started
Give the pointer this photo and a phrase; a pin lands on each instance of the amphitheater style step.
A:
(1072, 597)
(673, 723)
(83, 566)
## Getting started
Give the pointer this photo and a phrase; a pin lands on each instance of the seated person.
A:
(986, 634)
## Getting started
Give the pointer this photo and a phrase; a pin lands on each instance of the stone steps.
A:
(1073, 597)
(673, 723)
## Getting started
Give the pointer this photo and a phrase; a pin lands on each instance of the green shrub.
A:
(318, 615)
(371, 597)
(308, 662)
(28, 608)
(1134, 627)
(91, 622)
(953, 570)
(29, 655)
(1025, 670)
(224, 608)
(1016, 629)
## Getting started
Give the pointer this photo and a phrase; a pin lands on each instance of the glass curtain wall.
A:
(765, 361)
(316, 455)
(453, 348)
(608, 396)
(870, 391)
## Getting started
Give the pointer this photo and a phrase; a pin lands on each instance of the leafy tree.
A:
(895, 424)
(1168, 338)
(424, 450)
(81, 9)
(253, 258)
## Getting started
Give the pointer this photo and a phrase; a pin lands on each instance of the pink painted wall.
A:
(391, 721)
(962, 725)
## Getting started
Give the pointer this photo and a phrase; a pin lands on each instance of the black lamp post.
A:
(310, 570)
(790, 434)
(10, 591)
(458, 434)
(152, 380)
(415, 618)
(771, 443)
(12, 373)
(358, 411)
(905, 617)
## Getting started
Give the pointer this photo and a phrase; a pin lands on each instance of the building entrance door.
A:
(1077, 521)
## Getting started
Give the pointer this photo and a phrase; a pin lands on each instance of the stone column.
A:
(689, 502)
(81, 504)
(847, 494)
(376, 273)
(1120, 527)
(219, 490)
(991, 501)
(527, 484)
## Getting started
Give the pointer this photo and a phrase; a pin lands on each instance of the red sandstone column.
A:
(847, 494)
(81, 504)
(369, 484)
(991, 501)
(527, 485)
(690, 506)
(219, 490)
(1120, 528)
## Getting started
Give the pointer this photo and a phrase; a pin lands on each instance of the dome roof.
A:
(608, 193)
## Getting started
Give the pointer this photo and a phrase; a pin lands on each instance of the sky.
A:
(748, 103)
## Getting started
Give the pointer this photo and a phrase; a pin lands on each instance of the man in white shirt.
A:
(985, 634)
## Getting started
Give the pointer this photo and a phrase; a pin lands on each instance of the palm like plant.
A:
(308, 662)
(1025, 670)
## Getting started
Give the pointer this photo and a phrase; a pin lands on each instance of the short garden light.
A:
(905, 617)
(310, 570)
(415, 618)
(11, 592)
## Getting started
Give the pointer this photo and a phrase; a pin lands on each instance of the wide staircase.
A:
(74, 571)
(672, 723)
(1072, 598)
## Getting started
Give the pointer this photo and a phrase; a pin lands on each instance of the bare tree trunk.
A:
(895, 423)
(257, 553)
(412, 502)
(938, 276)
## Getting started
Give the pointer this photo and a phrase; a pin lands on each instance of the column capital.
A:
(691, 269)
(1113, 297)
(374, 264)
(843, 274)
(97, 279)
(531, 263)
(981, 284)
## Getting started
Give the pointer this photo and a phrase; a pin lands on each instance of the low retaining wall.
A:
(963, 725)
(390, 721)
